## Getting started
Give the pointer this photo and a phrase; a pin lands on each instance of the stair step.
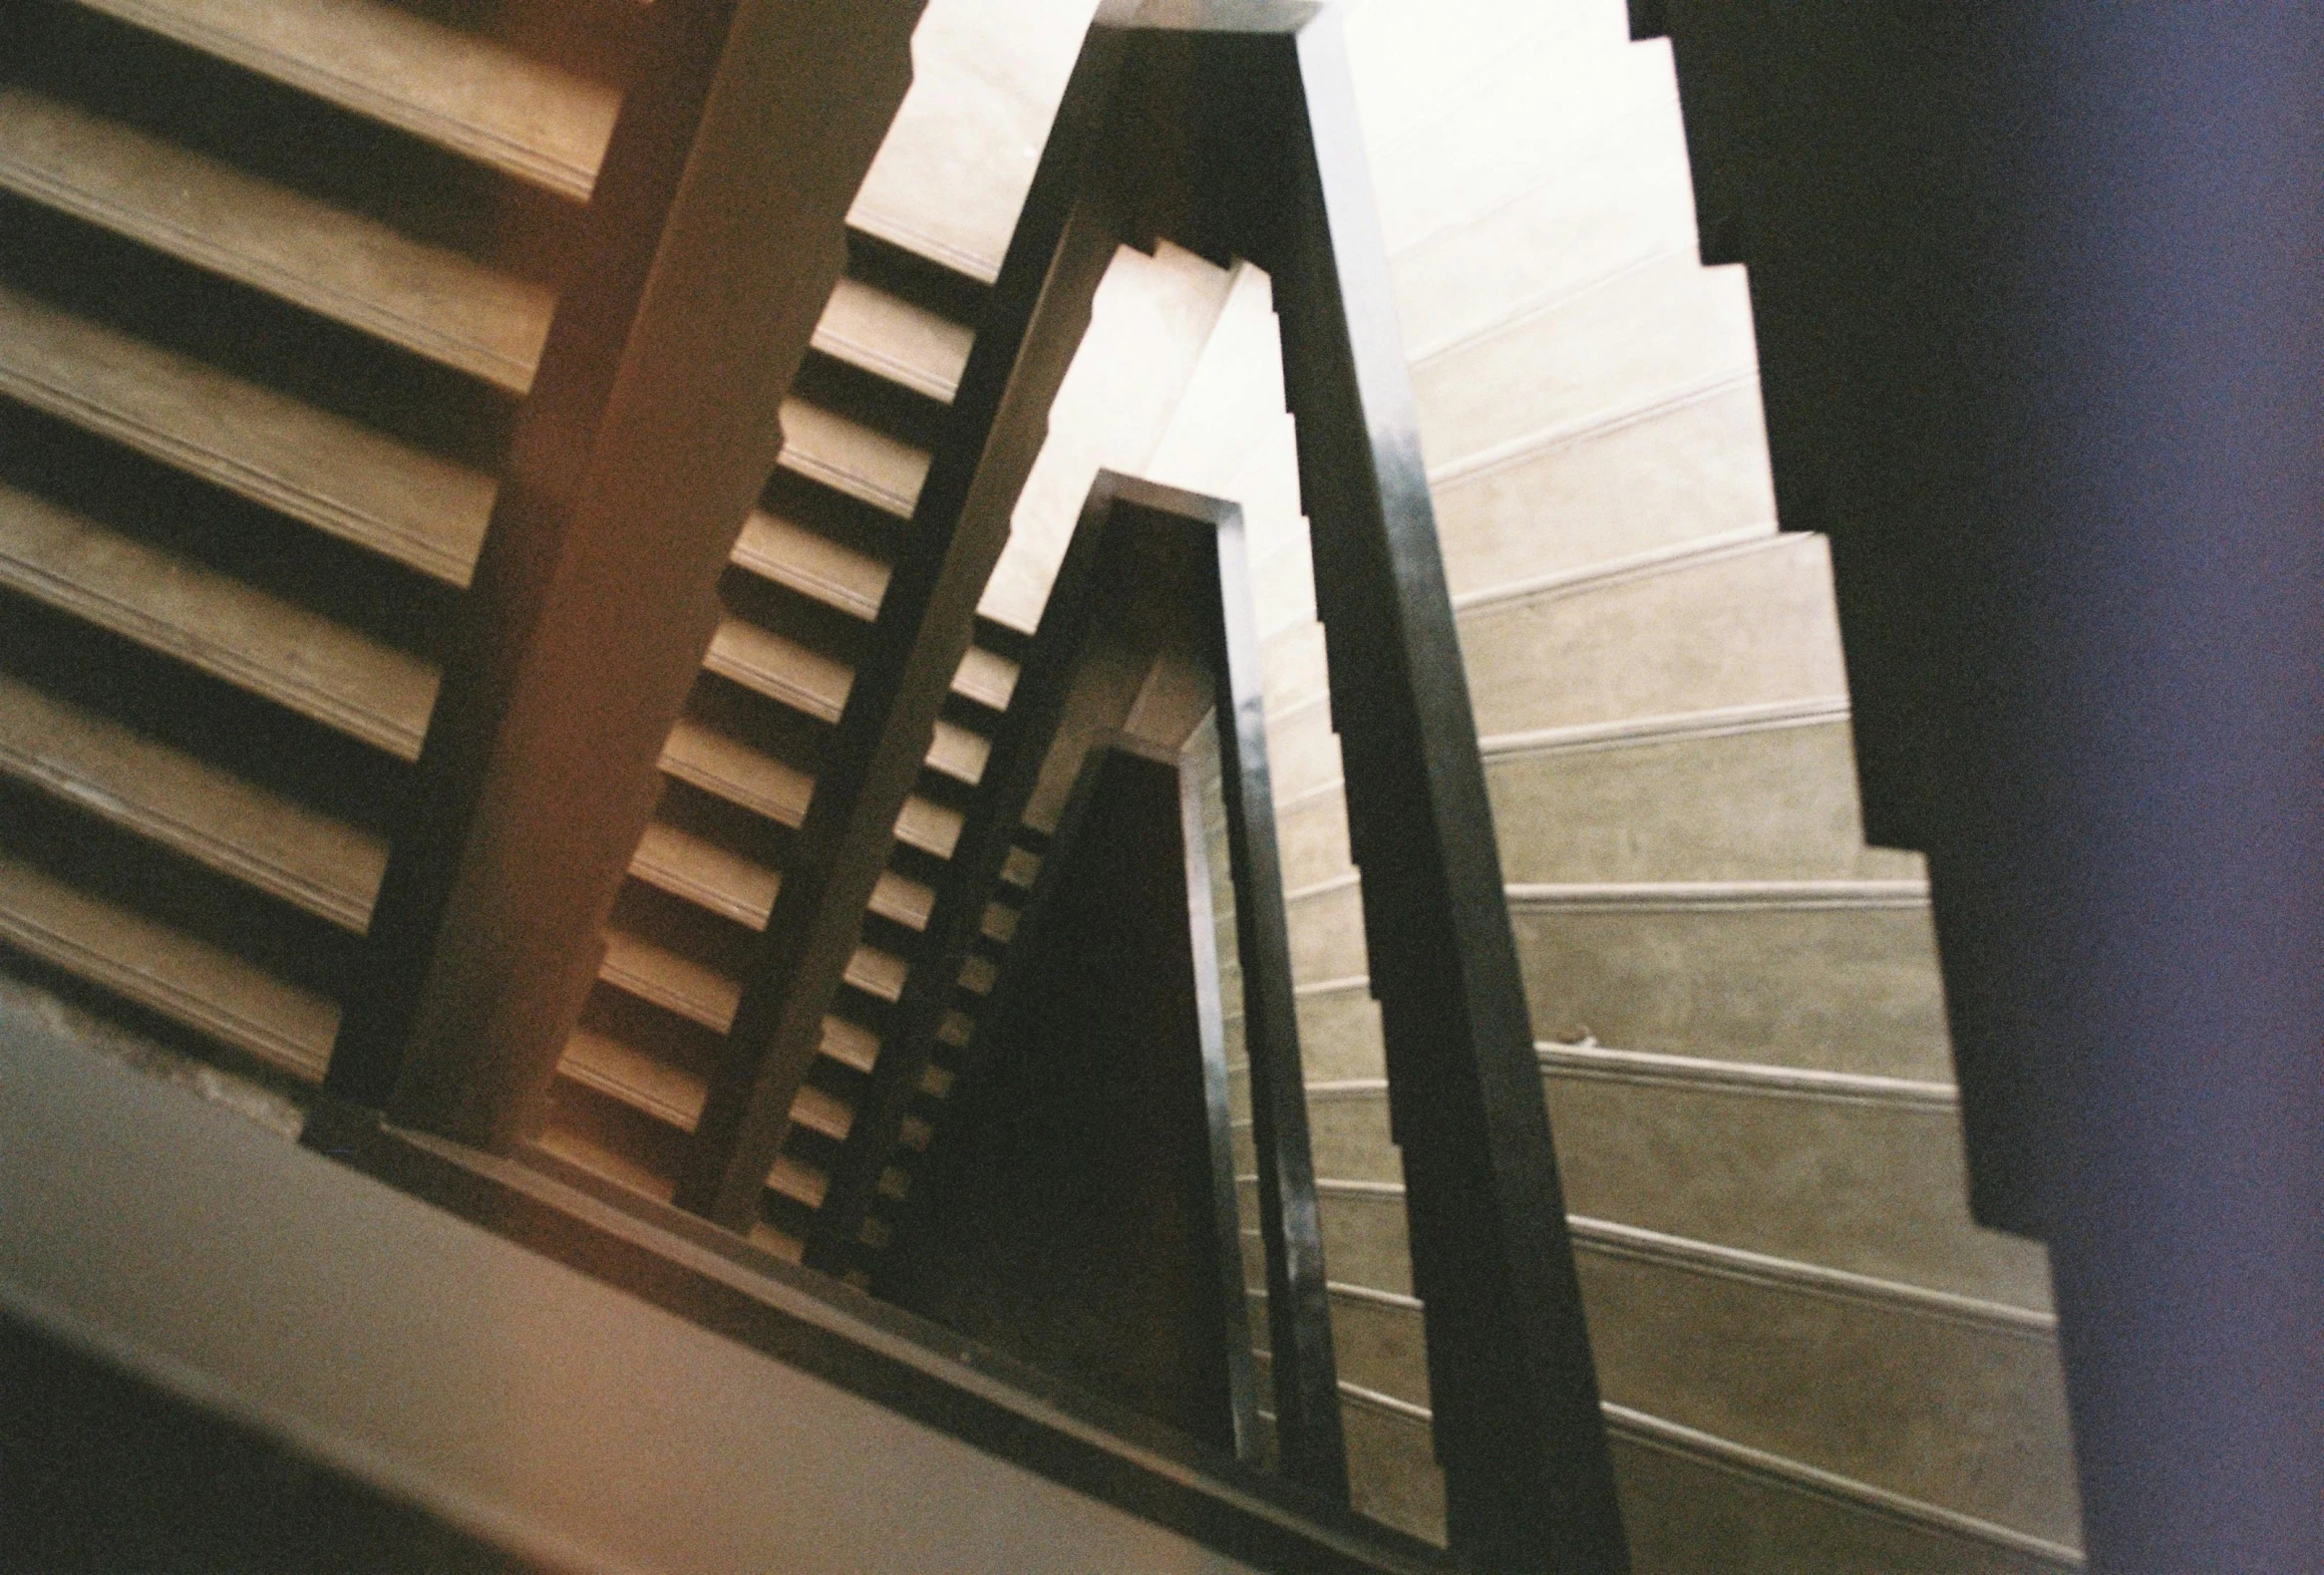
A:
(1741, 622)
(673, 1096)
(739, 890)
(166, 972)
(798, 1180)
(758, 783)
(353, 270)
(459, 92)
(1825, 976)
(1742, 795)
(813, 565)
(892, 338)
(849, 457)
(707, 997)
(930, 827)
(780, 669)
(959, 752)
(849, 1044)
(706, 874)
(639, 1081)
(822, 1111)
(790, 673)
(674, 983)
(253, 640)
(281, 847)
(985, 678)
(328, 471)
(738, 774)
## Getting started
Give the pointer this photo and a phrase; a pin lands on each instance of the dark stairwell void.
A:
(1066, 1211)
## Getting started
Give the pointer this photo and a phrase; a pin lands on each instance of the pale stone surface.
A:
(1939, 1408)
(1661, 329)
(1837, 990)
(1874, 1188)
(1744, 626)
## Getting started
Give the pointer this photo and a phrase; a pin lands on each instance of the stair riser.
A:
(1505, 134)
(1755, 627)
(1874, 1188)
(1312, 836)
(1327, 936)
(1770, 803)
(1963, 1416)
(1686, 1515)
(1696, 468)
(1837, 989)
(1646, 335)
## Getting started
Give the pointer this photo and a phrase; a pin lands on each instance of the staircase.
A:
(274, 283)
(1811, 1357)
(276, 279)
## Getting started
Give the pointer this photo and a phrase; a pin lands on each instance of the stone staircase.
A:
(256, 386)
(1811, 1357)
(274, 283)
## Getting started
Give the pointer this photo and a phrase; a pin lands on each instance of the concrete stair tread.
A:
(869, 329)
(812, 564)
(644, 1082)
(252, 639)
(458, 91)
(353, 270)
(271, 843)
(707, 997)
(795, 1178)
(727, 769)
(1741, 622)
(779, 668)
(317, 467)
(167, 972)
(824, 446)
(672, 1095)
(663, 978)
(985, 678)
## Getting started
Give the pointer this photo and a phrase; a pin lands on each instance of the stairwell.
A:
(256, 390)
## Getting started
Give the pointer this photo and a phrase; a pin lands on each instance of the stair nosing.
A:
(156, 993)
(249, 477)
(153, 822)
(193, 246)
(491, 149)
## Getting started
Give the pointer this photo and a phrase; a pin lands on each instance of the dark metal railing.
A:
(1230, 128)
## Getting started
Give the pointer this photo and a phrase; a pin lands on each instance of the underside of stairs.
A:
(277, 281)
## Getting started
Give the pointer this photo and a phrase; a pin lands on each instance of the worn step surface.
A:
(1847, 1175)
(892, 338)
(1655, 331)
(1752, 794)
(174, 975)
(1749, 624)
(254, 640)
(1825, 975)
(456, 90)
(324, 469)
(1668, 470)
(849, 457)
(354, 270)
(275, 845)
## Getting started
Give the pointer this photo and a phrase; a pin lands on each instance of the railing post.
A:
(1528, 1477)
